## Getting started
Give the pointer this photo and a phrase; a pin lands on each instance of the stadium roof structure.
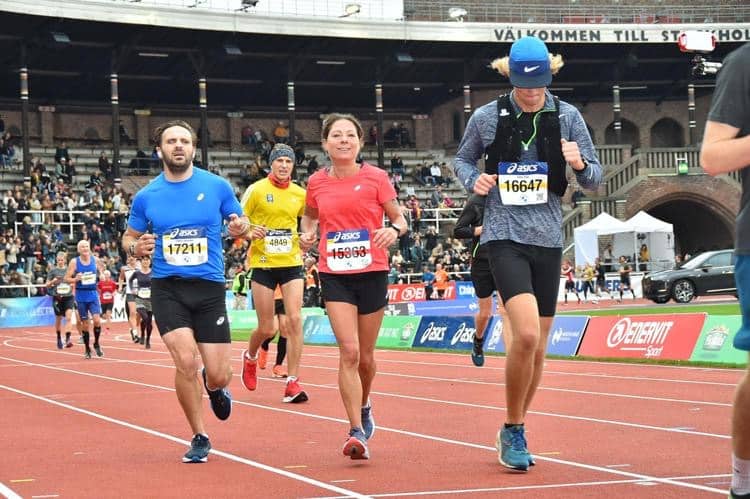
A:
(158, 66)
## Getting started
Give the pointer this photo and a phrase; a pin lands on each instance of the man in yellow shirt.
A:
(273, 206)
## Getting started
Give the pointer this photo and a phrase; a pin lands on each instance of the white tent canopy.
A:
(656, 234)
(586, 237)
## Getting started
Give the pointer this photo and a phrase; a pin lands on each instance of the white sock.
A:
(741, 475)
(367, 405)
(289, 379)
(252, 357)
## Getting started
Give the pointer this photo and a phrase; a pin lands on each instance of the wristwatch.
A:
(397, 229)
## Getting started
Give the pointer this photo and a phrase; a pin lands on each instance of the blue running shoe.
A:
(741, 340)
(477, 352)
(221, 399)
(732, 495)
(368, 422)
(511, 448)
(356, 445)
(198, 452)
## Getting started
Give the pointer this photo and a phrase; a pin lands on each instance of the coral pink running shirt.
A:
(349, 211)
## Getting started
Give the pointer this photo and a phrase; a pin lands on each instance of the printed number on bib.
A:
(278, 241)
(186, 246)
(88, 278)
(348, 250)
(63, 289)
(522, 184)
(144, 293)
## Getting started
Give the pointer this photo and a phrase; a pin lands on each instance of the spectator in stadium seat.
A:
(105, 166)
(397, 165)
(425, 175)
(373, 134)
(523, 231)
(124, 137)
(62, 155)
(725, 149)
(281, 133)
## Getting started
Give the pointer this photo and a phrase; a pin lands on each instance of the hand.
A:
(384, 237)
(484, 183)
(572, 155)
(306, 240)
(257, 232)
(238, 226)
(144, 245)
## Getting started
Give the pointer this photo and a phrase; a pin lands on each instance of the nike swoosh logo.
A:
(529, 69)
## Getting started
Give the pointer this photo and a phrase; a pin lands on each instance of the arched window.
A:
(667, 132)
(629, 134)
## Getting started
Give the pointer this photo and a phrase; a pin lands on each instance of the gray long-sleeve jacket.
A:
(540, 224)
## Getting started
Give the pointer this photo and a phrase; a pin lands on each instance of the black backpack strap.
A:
(507, 143)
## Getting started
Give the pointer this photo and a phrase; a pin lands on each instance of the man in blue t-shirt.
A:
(177, 219)
(428, 278)
(726, 148)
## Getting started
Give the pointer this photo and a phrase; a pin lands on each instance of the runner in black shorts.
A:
(625, 278)
(349, 200)
(469, 225)
(178, 219)
(63, 301)
(529, 141)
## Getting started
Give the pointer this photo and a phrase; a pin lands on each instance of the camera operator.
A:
(726, 148)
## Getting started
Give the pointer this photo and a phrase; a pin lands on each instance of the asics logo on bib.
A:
(184, 232)
(346, 236)
(515, 167)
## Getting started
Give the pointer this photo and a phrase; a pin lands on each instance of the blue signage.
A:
(317, 330)
(465, 289)
(493, 336)
(446, 307)
(18, 312)
(455, 333)
(566, 334)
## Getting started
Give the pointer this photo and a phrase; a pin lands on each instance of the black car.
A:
(710, 273)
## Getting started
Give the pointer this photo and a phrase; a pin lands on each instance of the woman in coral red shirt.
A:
(347, 201)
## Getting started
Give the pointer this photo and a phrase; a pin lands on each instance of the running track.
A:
(112, 427)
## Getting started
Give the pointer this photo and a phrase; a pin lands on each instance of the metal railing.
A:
(28, 289)
(61, 218)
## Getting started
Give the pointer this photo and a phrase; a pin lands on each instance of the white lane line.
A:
(7, 493)
(165, 436)
(386, 394)
(526, 487)
(433, 378)
(639, 477)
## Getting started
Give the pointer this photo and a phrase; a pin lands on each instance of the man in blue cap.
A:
(529, 140)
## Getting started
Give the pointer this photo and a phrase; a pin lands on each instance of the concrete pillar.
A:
(423, 132)
(47, 125)
(235, 131)
(143, 129)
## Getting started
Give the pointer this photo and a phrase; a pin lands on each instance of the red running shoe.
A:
(249, 372)
(293, 393)
(262, 358)
(356, 445)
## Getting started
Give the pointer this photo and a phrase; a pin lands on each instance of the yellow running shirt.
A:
(277, 210)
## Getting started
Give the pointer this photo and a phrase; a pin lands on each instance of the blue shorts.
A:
(84, 307)
(742, 280)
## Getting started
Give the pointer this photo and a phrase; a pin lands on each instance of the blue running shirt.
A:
(186, 218)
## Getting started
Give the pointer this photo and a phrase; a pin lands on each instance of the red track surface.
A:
(112, 427)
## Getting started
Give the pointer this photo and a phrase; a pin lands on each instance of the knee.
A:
(366, 361)
(218, 377)
(295, 323)
(525, 341)
(186, 364)
(349, 355)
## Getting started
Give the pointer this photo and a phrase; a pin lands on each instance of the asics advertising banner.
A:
(450, 333)
(670, 336)
(493, 336)
(397, 332)
(715, 341)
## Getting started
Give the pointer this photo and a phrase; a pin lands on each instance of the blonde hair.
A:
(502, 65)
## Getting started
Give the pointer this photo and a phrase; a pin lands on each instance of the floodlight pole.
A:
(691, 112)
(379, 115)
(616, 109)
(24, 80)
(115, 100)
(203, 103)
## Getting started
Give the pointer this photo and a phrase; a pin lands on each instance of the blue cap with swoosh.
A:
(529, 63)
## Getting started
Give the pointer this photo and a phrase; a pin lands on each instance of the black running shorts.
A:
(481, 277)
(524, 268)
(60, 305)
(271, 277)
(367, 290)
(197, 304)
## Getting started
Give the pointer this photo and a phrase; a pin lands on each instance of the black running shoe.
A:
(477, 352)
(87, 355)
(221, 399)
(199, 448)
(98, 350)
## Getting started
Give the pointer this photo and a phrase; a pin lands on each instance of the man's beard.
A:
(175, 168)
